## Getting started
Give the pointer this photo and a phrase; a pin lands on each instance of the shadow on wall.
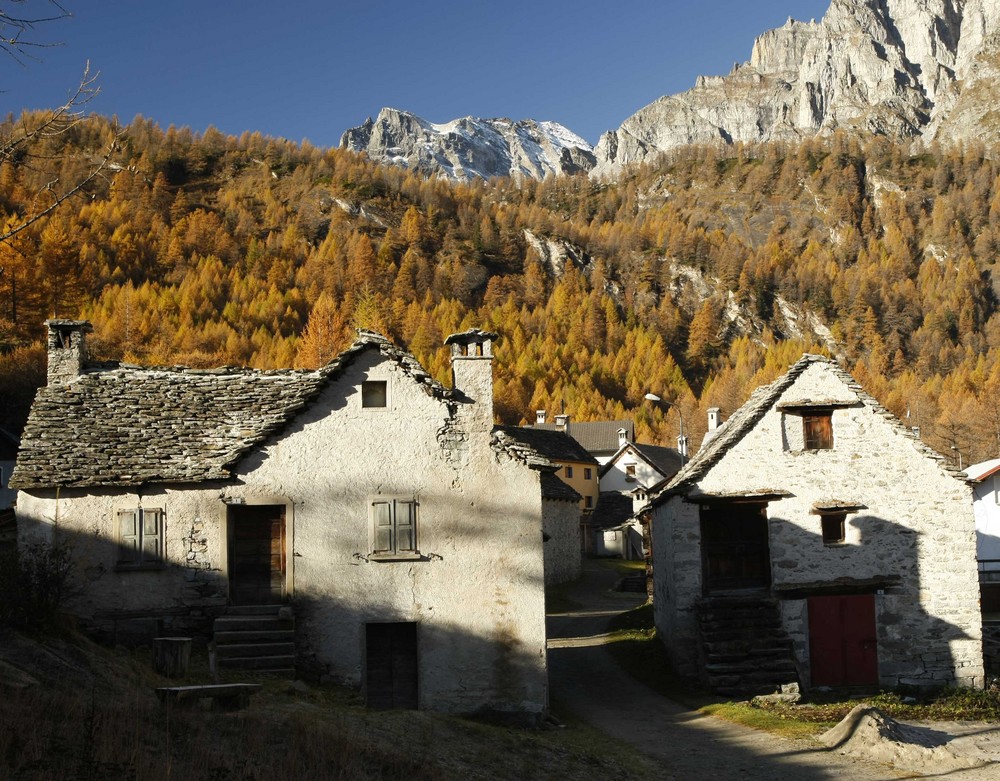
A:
(875, 569)
(489, 671)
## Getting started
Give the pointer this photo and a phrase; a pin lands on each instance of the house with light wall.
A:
(387, 535)
(815, 539)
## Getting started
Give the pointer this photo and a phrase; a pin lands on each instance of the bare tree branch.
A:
(17, 29)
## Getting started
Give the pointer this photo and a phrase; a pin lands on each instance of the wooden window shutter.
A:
(152, 535)
(382, 519)
(128, 536)
(817, 431)
(406, 526)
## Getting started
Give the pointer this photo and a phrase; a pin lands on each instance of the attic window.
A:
(630, 473)
(817, 430)
(374, 393)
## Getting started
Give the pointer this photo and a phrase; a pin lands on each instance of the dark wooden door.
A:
(256, 554)
(735, 547)
(391, 665)
(843, 649)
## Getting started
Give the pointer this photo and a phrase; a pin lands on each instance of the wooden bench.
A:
(228, 696)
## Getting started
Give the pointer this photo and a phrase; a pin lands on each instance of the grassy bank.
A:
(636, 647)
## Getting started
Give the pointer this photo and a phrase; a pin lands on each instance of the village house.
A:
(815, 538)
(985, 479)
(627, 480)
(360, 522)
(563, 516)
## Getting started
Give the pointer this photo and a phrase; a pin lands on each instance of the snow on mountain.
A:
(470, 148)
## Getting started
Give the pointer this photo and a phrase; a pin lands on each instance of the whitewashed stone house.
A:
(816, 538)
(403, 532)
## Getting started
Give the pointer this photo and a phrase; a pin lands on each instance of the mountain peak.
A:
(471, 147)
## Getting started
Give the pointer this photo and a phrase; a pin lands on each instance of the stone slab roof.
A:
(123, 425)
(600, 436)
(762, 400)
(554, 488)
(613, 509)
(556, 446)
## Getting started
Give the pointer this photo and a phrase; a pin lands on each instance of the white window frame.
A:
(139, 532)
(393, 523)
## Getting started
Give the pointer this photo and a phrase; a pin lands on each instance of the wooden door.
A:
(843, 648)
(735, 549)
(256, 554)
(391, 666)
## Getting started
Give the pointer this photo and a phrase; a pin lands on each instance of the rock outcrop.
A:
(899, 68)
(468, 148)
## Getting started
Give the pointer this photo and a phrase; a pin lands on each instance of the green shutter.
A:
(382, 518)
(406, 526)
(128, 536)
(152, 535)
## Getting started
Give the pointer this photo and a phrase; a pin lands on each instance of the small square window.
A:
(833, 528)
(569, 471)
(588, 473)
(817, 430)
(374, 393)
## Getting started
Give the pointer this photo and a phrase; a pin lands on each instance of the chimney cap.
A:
(472, 336)
(69, 325)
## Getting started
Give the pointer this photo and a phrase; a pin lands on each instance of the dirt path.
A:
(586, 681)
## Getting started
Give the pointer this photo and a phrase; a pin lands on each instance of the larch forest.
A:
(698, 277)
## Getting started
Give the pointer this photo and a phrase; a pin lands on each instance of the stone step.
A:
(232, 651)
(255, 636)
(279, 663)
(255, 610)
(252, 623)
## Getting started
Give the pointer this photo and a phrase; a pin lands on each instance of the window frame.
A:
(588, 502)
(384, 522)
(588, 473)
(370, 387)
(568, 471)
(143, 547)
(630, 473)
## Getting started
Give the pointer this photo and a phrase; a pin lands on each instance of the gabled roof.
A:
(762, 400)
(126, 425)
(556, 446)
(979, 472)
(599, 436)
(665, 460)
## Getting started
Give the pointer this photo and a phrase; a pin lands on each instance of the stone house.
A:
(627, 480)
(396, 533)
(815, 538)
(562, 516)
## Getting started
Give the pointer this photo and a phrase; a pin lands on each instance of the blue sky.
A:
(309, 69)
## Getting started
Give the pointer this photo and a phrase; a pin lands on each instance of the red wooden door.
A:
(843, 649)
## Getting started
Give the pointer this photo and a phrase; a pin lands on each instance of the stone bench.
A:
(228, 696)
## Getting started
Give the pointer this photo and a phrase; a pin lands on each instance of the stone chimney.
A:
(622, 437)
(539, 416)
(562, 422)
(714, 418)
(67, 349)
(472, 377)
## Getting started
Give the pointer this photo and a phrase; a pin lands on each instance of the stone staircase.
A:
(258, 638)
(745, 649)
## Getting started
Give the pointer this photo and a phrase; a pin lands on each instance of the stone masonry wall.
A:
(561, 524)
(910, 536)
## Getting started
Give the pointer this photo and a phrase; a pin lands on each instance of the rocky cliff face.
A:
(468, 148)
(892, 67)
